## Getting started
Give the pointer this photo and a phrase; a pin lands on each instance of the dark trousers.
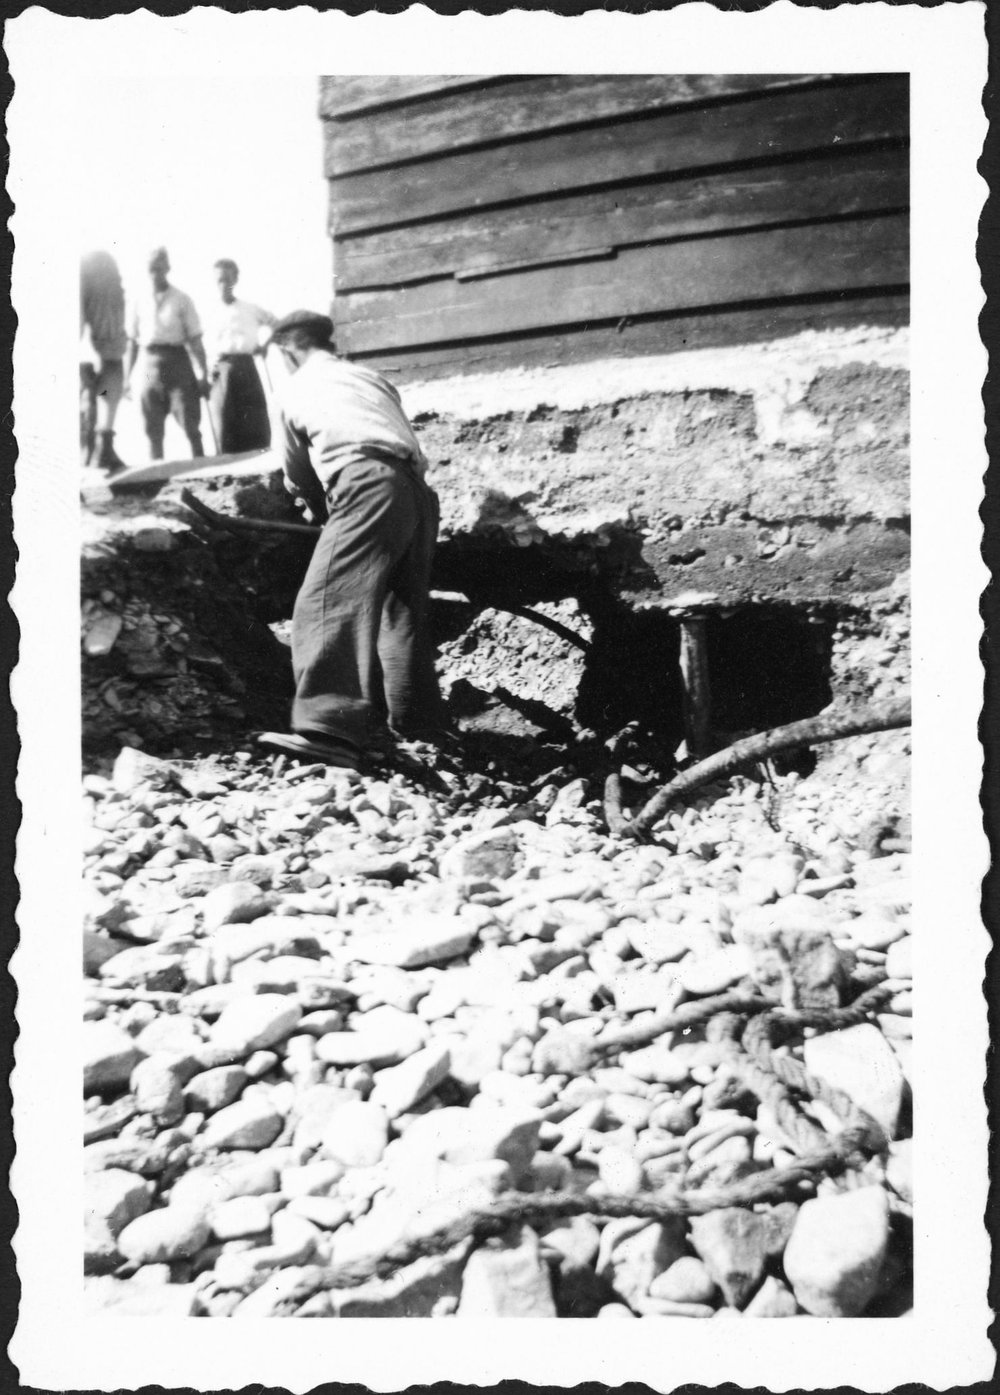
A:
(360, 647)
(169, 385)
(238, 405)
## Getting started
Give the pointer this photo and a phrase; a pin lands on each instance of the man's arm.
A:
(197, 350)
(300, 477)
(193, 339)
(265, 320)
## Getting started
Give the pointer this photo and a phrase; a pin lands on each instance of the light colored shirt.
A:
(163, 317)
(332, 413)
(235, 328)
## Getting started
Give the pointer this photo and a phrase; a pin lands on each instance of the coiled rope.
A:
(751, 1031)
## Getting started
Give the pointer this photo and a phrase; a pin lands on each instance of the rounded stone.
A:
(250, 1123)
(686, 1281)
(834, 1257)
(256, 1022)
(173, 1232)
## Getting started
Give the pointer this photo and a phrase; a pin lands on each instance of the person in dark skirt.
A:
(238, 405)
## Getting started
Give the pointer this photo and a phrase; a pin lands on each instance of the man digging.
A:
(361, 655)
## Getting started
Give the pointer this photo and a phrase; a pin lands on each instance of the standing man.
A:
(237, 404)
(360, 648)
(165, 326)
(102, 314)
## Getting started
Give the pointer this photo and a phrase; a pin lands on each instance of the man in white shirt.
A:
(361, 653)
(237, 404)
(165, 326)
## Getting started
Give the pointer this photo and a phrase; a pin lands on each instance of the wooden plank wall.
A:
(488, 221)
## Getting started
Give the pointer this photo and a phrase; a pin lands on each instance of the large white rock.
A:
(114, 1197)
(250, 1123)
(686, 1281)
(423, 939)
(382, 1037)
(657, 1064)
(357, 1134)
(507, 1278)
(133, 768)
(109, 1057)
(873, 931)
(231, 944)
(859, 1061)
(633, 1252)
(475, 1135)
(399, 1088)
(766, 879)
(158, 1086)
(254, 1022)
(636, 990)
(170, 1032)
(240, 1216)
(173, 1232)
(234, 903)
(834, 1257)
(711, 973)
(311, 1179)
(620, 1170)
(213, 1089)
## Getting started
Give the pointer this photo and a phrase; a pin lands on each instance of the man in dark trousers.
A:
(165, 326)
(361, 654)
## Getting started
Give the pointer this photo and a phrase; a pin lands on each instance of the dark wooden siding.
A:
(487, 220)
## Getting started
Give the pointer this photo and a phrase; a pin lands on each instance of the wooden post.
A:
(697, 694)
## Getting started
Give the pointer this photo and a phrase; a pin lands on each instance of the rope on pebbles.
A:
(750, 1034)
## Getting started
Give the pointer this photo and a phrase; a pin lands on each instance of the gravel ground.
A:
(328, 1014)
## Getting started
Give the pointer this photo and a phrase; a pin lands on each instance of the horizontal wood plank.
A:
(584, 224)
(778, 122)
(661, 335)
(525, 106)
(347, 95)
(812, 259)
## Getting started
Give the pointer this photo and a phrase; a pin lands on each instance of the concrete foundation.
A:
(766, 471)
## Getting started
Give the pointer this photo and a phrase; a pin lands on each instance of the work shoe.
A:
(326, 749)
(105, 457)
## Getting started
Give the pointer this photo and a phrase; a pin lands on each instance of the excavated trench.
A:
(767, 663)
(535, 644)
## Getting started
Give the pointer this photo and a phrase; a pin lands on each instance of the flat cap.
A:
(320, 326)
